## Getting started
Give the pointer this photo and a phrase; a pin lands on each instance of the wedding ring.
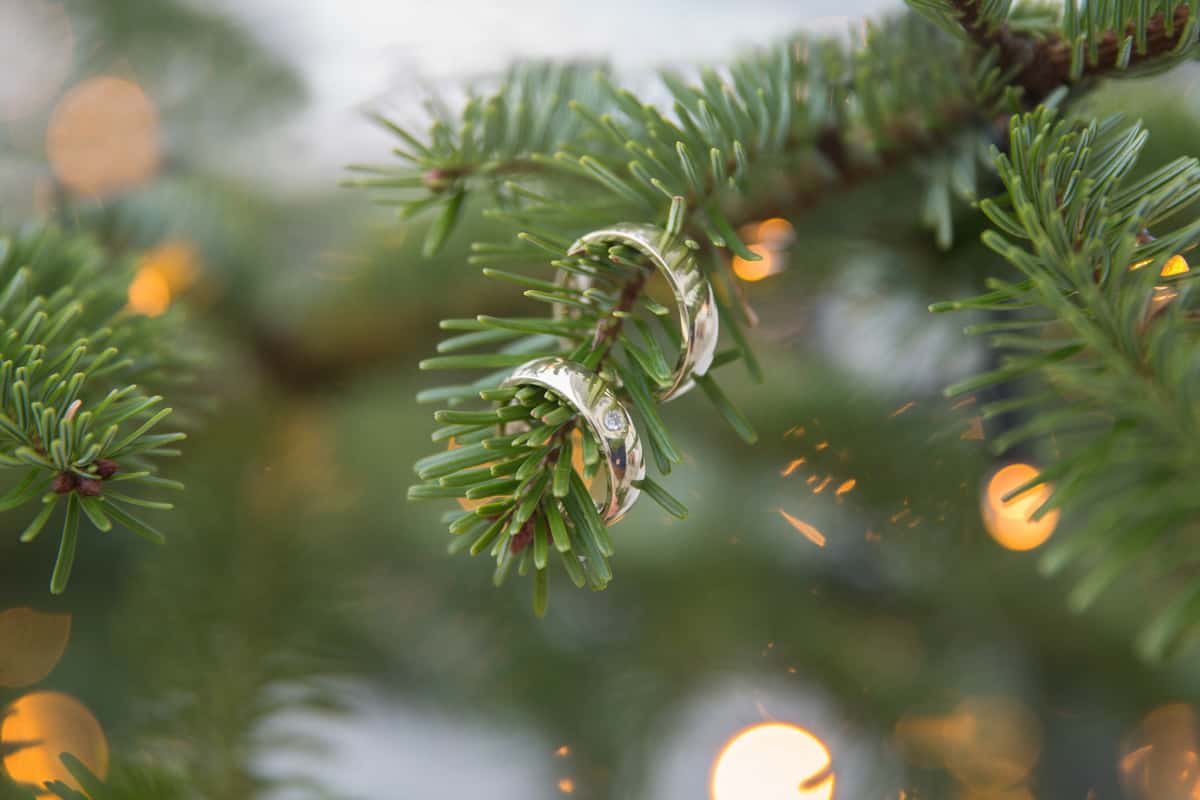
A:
(609, 421)
(694, 303)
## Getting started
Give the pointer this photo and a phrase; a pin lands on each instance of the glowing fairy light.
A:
(772, 761)
(1176, 265)
(163, 272)
(769, 240)
(1161, 759)
(752, 271)
(566, 786)
(39, 727)
(990, 745)
(1002, 747)
(103, 137)
(1011, 522)
(777, 232)
(149, 293)
(31, 644)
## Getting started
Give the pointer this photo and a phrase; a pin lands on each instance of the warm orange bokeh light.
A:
(103, 137)
(772, 761)
(768, 239)
(1011, 523)
(566, 786)
(755, 270)
(990, 744)
(1176, 265)
(49, 724)
(1004, 745)
(927, 741)
(31, 644)
(776, 231)
(1161, 759)
(149, 293)
(162, 273)
(36, 51)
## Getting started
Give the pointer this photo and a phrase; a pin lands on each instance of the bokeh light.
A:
(103, 137)
(149, 293)
(1176, 265)
(1011, 522)
(773, 761)
(36, 52)
(752, 271)
(989, 744)
(1161, 760)
(768, 239)
(31, 644)
(776, 232)
(1003, 746)
(163, 272)
(39, 727)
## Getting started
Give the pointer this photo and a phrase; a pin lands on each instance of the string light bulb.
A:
(31, 644)
(769, 240)
(773, 761)
(38, 728)
(1011, 522)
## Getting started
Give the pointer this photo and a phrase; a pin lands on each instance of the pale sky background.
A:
(358, 54)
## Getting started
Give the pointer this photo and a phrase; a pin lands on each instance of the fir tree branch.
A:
(72, 422)
(823, 114)
(1111, 333)
(1042, 61)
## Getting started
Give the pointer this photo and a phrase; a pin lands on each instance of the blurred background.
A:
(849, 611)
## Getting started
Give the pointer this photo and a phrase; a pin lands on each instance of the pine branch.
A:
(720, 138)
(1103, 324)
(73, 425)
(822, 113)
(484, 150)
(1090, 43)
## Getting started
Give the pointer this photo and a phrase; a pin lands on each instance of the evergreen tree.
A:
(977, 120)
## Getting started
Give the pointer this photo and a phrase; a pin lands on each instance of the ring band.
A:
(610, 422)
(694, 302)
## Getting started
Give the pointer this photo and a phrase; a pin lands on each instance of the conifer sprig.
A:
(1101, 348)
(81, 439)
(1088, 39)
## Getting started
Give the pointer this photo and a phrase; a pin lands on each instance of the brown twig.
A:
(607, 332)
(1043, 63)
